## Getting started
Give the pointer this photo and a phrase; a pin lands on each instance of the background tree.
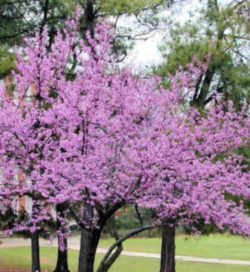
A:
(221, 31)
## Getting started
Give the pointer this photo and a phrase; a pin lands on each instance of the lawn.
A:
(20, 258)
(213, 246)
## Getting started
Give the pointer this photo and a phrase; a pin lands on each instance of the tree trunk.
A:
(89, 242)
(35, 251)
(168, 249)
(62, 252)
(62, 257)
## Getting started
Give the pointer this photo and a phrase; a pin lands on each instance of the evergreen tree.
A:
(221, 32)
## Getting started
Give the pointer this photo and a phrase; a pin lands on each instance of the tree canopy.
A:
(107, 138)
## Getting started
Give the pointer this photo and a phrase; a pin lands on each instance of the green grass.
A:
(212, 246)
(135, 264)
(20, 257)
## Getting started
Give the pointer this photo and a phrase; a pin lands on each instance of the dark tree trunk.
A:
(168, 249)
(88, 20)
(202, 88)
(62, 258)
(89, 242)
(90, 16)
(62, 252)
(35, 254)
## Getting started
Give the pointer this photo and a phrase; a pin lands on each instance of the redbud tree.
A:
(103, 138)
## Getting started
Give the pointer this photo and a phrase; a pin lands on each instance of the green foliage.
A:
(23, 18)
(118, 7)
(129, 218)
(127, 221)
(7, 219)
(13, 22)
(7, 60)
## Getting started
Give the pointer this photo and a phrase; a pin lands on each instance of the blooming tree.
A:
(107, 138)
(197, 168)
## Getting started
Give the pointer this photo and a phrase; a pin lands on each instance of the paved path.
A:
(73, 243)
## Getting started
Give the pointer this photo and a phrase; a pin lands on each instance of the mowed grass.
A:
(212, 246)
(20, 258)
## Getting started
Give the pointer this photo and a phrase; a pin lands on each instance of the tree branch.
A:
(118, 242)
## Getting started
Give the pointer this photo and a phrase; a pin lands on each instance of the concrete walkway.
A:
(74, 243)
